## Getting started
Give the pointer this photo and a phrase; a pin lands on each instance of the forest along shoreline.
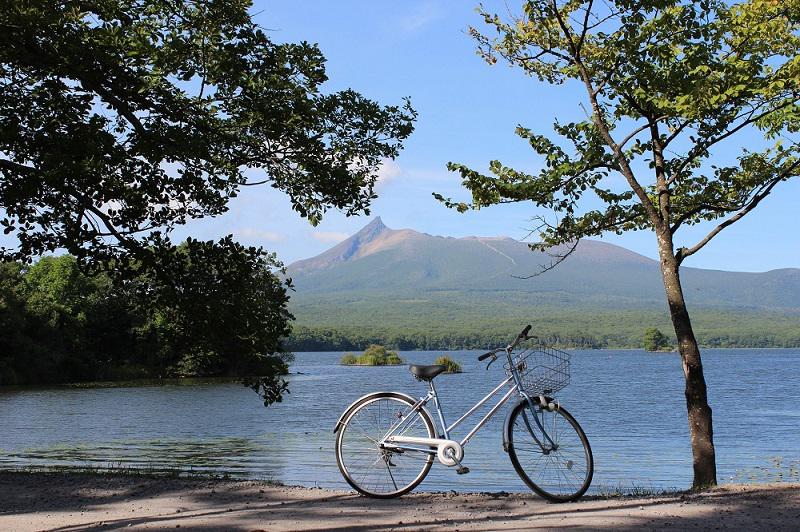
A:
(45, 500)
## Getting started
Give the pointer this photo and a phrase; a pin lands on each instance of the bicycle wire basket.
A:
(542, 370)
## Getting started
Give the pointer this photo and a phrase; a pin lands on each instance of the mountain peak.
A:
(370, 231)
(346, 249)
(411, 265)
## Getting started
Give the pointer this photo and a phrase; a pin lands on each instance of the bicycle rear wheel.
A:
(382, 472)
(561, 473)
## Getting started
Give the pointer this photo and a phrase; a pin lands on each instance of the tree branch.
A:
(120, 106)
(16, 167)
(585, 28)
(86, 205)
(603, 127)
(639, 130)
(675, 133)
(558, 259)
(698, 209)
(686, 252)
(700, 148)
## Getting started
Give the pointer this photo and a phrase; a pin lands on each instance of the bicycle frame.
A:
(401, 425)
(394, 439)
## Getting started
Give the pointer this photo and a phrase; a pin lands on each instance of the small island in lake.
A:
(656, 341)
(375, 355)
(451, 365)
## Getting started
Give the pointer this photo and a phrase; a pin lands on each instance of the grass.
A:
(451, 365)
(119, 470)
(375, 355)
(633, 491)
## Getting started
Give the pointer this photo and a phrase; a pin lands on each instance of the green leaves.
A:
(120, 120)
(667, 82)
(655, 340)
(199, 309)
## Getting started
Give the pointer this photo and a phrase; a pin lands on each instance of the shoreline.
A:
(191, 381)
(639, 349)
(90, 501)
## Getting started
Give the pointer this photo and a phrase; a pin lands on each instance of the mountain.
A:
(406, 283)
(404, 262)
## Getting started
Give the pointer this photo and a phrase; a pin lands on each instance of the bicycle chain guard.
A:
(449, 452)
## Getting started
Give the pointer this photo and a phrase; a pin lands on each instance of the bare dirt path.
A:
(60, 501)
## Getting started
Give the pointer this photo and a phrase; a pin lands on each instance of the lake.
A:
(630, 404)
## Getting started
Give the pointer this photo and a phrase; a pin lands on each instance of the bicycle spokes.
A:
(561, 471)
(369, 465)
(540, 436)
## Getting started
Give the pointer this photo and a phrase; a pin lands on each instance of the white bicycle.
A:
(386, 441)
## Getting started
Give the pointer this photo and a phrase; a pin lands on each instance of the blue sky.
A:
(467, 113)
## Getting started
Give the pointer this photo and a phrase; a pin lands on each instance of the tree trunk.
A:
(701, 430)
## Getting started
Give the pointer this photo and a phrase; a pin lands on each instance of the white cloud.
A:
(388, 171)
(426, 13)
(260, 235)
(329, 237)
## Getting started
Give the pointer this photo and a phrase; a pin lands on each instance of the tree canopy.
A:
(668, 84)
(121, 119)
(655, 340)
(224, 318)
(671, 87)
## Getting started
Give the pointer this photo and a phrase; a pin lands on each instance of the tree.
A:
(670, 85)
(224, 312)
(121, 119)
(16, 345)
(58, 325)
(655, 340)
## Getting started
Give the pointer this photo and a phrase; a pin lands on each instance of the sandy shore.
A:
(57, 501)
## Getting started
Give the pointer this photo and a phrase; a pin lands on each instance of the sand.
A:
(81, 501)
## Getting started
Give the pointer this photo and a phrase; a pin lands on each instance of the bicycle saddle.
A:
(425, 373)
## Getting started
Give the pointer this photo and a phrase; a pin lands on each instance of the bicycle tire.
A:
(569, 478)
(348, 459)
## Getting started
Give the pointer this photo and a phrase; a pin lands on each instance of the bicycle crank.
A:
(449, 452)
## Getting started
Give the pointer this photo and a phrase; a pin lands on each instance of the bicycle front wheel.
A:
(377, 471)
(560, 468)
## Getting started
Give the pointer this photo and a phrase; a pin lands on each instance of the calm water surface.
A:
(630, 404)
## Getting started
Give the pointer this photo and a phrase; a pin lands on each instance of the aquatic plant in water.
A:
(375, 355)
(451, 365)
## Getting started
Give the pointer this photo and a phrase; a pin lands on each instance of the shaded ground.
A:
(64, 501)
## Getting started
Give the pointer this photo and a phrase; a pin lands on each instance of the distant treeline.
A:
(221, 312)
(354, 339)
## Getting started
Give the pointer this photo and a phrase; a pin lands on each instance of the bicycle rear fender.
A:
(368, 396)
(507, 423)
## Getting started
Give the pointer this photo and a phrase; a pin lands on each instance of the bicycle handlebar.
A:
(521, 336)
(486, 355)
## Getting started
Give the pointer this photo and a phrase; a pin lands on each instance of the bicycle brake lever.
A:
(494, 357)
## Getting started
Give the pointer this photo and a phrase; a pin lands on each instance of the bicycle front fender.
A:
(507, 423)
(340, 421)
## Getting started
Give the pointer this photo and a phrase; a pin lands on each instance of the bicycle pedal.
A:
(463, 470)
